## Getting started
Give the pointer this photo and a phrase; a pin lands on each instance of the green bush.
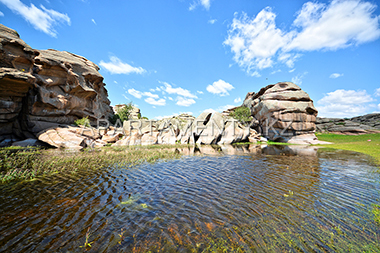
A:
(242, 114)
(83, 122)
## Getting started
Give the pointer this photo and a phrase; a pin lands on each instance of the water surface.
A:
(248, 199)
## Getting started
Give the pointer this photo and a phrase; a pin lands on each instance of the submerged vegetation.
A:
(25, 164)
(367, 143)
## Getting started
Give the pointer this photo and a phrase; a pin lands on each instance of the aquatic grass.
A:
(21, 164)
(376, 213)
(367, 143)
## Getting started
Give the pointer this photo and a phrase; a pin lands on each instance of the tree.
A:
(122, 114)
(242, 114)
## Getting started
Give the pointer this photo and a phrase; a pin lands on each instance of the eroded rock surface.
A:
(40, 89)
(284, 113)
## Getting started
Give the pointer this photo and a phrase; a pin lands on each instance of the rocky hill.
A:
(369, 123)
(40, 89)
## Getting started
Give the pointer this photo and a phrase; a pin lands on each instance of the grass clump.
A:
(376, 213)
(25, 164)
(83, 122)
(367, 143)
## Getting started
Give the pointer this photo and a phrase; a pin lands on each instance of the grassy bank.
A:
(367, 143)
(25, 164)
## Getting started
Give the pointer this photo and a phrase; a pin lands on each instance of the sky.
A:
(188, 56)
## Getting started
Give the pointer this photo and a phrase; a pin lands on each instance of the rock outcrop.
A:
(40, 89)
(369, 123)
(206, 129)
(284, 112)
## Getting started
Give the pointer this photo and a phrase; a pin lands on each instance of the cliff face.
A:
(44, 88)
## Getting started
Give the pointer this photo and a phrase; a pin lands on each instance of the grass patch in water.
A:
(367, 143)
(26, 164)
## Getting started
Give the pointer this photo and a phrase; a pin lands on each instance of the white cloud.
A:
(220, 108)
(139, 94)
(237, 100)
(125, 97)
(116, 66)
(344, 103)
(377, 92)
(200, 92)
(292, 70)
(334, 26)
(256, 42)
(275, 71)
(205, 3)
(93, 21)
(220, 87)
(335, 75)
(298, 78)
(135, 93)
(181, 101)
(179, 91)
(40, 18)
(1, 14)
(152, 101)
(212, 21)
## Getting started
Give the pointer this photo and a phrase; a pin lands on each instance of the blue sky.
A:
(175, 56)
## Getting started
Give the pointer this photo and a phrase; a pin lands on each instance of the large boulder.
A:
(40, 89)
(284, 112)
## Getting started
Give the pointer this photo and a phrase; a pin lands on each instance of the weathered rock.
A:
(213, 130)
(40, 89)
(28, 143)
(234, 132)
(355, 126)
(283, 111)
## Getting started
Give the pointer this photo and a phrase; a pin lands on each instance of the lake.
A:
(213, 199)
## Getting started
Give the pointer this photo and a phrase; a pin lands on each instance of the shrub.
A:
(242, 114)
(83, 122)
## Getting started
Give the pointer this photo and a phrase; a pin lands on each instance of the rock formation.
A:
(366, 124)
(284, 112)
(206, 129)
(40, 89)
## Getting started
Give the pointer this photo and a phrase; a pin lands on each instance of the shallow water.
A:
(250, 198)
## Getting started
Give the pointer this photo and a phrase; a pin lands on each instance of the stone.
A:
(283, 111)
(41, 89)
(213, 130)
(30, 142)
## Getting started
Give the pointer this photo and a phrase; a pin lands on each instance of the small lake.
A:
(213, 199)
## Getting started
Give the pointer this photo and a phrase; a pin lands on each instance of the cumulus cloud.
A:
(344, 103)
(116, 66)
(1, 14)
(181, 101)
(237, 100)
(93, 21)
(335, 75)
(220, 87)
(152, 101)
(377, 92)
(179, 91)
(257, 42)
(40, 18)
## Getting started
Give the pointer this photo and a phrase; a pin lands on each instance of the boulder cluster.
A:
(207, 128)
(41, 89)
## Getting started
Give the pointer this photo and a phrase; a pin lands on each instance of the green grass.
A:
(26, 164)
(357, 143)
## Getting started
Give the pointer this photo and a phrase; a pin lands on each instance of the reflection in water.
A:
(248, 198)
